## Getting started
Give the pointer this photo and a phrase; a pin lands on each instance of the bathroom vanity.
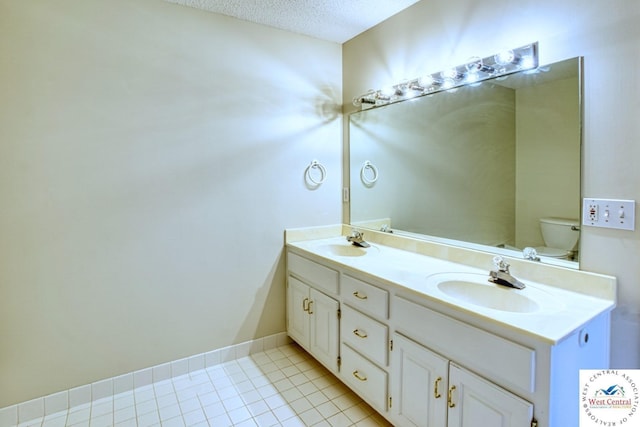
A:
(415, 329)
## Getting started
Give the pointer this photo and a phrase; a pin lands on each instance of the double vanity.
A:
(417, 330)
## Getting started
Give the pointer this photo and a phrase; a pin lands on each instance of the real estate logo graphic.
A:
(609, 397)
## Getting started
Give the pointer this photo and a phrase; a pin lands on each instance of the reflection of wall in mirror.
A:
(548, 169)
(446, 168)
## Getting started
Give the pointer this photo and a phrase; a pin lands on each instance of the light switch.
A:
(609, 213)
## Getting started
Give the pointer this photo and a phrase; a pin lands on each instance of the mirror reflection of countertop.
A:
(545, 310)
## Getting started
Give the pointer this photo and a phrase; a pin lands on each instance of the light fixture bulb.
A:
(425, 81)
(505, 57)
(388, 91)
(472, 77)
(448, 83)
(527, 62)
(451, 73)
(415, 91)
(429, 81)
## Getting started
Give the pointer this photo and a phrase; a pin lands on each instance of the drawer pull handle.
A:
(450, 397)
(358, 376)
(358, 295)
(309, 307)
(436, 386)
(305, 304)
(359, 334)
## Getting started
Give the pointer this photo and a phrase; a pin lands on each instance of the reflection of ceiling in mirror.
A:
(424, 172)
(557, 71)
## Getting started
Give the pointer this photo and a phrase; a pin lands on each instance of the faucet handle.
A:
(500, 264)
(530, 254)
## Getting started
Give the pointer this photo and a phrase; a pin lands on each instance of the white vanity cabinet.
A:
(312, 315)
(420, 362)
(429, 390)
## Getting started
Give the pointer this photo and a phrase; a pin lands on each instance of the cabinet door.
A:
(418, 384)
(297, 315)
(474, 400)
(324, 326)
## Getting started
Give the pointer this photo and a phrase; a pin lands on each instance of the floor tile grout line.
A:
(332, 398)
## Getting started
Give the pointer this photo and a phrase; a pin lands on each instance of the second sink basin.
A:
(475, 289)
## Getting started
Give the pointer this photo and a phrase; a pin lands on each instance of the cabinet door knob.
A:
(358, 295)
(359, 376)
(359, 334)
(436, 386)
(450, 397)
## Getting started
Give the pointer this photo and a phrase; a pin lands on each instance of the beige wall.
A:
(150, 157)
(432, 35)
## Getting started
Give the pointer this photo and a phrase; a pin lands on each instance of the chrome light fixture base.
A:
(474, 71)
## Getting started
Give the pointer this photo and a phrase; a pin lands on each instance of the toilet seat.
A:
(551, 252)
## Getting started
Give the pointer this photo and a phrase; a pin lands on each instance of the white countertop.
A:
(558, 313)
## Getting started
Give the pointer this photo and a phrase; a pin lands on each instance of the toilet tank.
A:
(558, 233)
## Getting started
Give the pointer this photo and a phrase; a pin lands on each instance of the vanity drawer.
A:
(313, 273)
(365, 297)
(504, 361)
(364, 377)
(364, 334)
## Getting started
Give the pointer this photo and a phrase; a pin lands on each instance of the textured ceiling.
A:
(333, 20)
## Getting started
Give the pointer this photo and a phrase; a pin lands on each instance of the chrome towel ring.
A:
(367, 165)
(309, 175)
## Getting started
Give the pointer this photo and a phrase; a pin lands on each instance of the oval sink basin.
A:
(477, 290)
(347, 250)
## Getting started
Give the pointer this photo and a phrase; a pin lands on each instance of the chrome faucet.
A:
(357, 238)
(501, 275)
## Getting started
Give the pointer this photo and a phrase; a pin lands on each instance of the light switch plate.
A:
(609, 213)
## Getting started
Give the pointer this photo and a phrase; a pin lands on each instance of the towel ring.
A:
(363, 173)
(323, 172)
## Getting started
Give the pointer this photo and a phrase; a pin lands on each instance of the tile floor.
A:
(279, 387)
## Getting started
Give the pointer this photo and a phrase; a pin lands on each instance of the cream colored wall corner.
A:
(150, 157)
(430, 36)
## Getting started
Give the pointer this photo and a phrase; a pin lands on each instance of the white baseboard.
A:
(64, 400)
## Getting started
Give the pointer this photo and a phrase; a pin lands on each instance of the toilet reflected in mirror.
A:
(560, 237)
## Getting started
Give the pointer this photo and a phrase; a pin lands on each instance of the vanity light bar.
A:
(476, 70)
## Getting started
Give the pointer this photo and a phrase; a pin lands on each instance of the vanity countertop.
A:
(562, 309)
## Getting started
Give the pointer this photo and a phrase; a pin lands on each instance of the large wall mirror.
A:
(489, 166)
